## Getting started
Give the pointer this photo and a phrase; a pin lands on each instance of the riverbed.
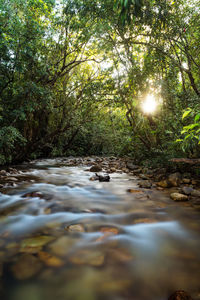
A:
(64, 236)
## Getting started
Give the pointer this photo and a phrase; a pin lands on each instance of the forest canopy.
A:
(74, 76)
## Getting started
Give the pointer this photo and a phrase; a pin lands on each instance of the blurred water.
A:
(152, 251)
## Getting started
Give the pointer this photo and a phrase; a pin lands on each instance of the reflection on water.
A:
(63, 236)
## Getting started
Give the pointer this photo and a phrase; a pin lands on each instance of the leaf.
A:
(186, 113)
(197, 117)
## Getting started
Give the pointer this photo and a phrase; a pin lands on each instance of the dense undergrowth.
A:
(73, 76)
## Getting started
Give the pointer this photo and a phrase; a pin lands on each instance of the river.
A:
(65, 237)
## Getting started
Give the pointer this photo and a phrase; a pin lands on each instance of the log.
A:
(191, 161)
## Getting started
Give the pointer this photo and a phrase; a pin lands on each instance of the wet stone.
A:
(26, 267)
(180, 295)
(34, 244)
(145, 184)
(175, 179)
(61, 246)
(50, 260)
(187, 190)
(75, 228)
(179, 197)
(133, 191)
(96, 168)
(163, 183)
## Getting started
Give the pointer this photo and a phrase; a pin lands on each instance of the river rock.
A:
(180, 295)
(178, 197)
(75, 228)
(3, 173)
(195, 193)
(131, 166)
(34, 244)
(145, 184)
(61, 246)
(187, 190)
(175, 179)
(26, 267)
(50, 260)
(96, 168)
(92, 258)
(186, 180)
(164, 183)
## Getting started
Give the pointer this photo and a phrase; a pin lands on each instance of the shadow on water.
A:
(63, 236)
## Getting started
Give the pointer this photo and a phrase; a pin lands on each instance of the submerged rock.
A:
(26, 267)
(34, 244)
(50, 260)
(92, 258)
(180, 295)
(75, 228)
(179, 197)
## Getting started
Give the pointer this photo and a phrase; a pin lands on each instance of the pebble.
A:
(178, 197)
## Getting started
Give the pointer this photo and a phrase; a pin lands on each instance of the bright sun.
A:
(149, 105)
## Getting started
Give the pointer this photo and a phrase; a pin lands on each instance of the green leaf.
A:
(186, 113)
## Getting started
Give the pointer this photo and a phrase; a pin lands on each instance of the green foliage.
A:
(73, 76)
(190, 141)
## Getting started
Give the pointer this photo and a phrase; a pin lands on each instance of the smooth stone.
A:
(145, 184)
(180, 295)
(96, 168)
(178, 197)
(50, 260)
(61, 246)
(35, 242)
(187, 190)
(75, 228)
(26, 267)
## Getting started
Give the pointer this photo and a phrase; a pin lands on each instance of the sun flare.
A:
(149, 105)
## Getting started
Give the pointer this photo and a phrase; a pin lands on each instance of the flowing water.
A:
(65, 237)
